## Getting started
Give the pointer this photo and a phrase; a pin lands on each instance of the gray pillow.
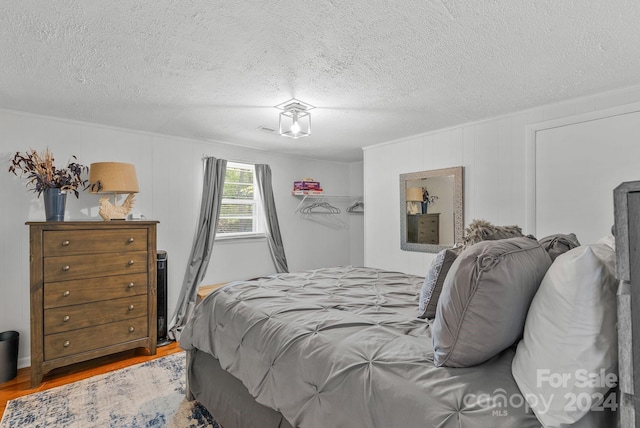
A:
(434, 281)
(559, 244)
(485, 299)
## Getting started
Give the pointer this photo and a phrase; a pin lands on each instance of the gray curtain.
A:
(274, 239)
(212, 189)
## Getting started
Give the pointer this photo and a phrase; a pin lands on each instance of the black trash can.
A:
(9, 341)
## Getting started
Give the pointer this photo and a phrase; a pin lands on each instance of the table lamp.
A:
(414, 194)
(114, 178)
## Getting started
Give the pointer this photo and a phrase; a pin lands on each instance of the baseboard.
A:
(24, 362)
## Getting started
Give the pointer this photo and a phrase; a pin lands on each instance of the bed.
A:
(343, 347)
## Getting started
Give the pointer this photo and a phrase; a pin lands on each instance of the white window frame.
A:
(258, 217)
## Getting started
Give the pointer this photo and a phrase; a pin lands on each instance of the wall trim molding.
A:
(508, 115)
(179, 138)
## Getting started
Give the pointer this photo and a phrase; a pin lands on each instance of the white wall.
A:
(169, 171)
(356, 221)
(496, 158)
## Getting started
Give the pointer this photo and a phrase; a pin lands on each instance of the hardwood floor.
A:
(20, 385)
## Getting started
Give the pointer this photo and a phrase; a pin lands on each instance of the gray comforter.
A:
(343, 347)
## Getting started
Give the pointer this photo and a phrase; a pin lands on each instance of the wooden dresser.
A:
(93, 291)
(423, 228)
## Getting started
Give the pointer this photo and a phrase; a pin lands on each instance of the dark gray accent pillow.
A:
(434, 281)
(559, 244)
(485, 299)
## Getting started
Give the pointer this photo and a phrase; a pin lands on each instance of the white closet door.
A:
(577, 168)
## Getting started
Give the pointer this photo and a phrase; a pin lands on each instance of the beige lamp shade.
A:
(414, 194)
(113, 177)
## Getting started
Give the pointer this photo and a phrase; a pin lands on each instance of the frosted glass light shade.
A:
(295, 119)
(295, 124)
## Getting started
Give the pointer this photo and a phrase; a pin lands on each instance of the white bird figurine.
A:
(108, 211)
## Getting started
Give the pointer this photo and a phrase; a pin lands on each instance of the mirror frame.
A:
(458, 208)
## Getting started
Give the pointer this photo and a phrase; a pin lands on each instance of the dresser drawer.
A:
(66, 293)
(67, 242)
(428, 236)
(427, 231)
(87, 339)
(429, 240)
(91, 314)
(93, 265)
(428, 221)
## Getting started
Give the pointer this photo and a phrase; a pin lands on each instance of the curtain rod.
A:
(204, 156)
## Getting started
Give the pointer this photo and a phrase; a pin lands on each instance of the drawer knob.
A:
(66, 268)
(65, 243)
(130, 240)
(131, 262)
(131, 329)
(130, 307)
(66, 293)
(66, 344)
(130, 285)
(65, 318)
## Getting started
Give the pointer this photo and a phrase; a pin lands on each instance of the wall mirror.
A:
(431, 209)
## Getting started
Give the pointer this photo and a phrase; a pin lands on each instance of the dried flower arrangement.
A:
(41, 173)
(426, 197)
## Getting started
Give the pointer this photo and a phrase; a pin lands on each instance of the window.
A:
(241, 210)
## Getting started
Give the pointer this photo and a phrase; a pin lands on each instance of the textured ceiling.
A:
(375, 70)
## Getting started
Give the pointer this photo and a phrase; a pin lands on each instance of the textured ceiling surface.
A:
(376, 70)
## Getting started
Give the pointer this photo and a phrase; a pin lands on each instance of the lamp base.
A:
(109, 211)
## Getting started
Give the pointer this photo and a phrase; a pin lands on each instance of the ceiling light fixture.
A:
(295, 119)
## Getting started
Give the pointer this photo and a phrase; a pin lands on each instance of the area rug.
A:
(150, 394)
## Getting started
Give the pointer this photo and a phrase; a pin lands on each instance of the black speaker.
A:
(162, 299)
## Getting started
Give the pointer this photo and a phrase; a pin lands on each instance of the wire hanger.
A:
(320, 208)
(357, 207)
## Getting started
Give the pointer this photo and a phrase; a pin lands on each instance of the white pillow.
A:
(567, 359)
